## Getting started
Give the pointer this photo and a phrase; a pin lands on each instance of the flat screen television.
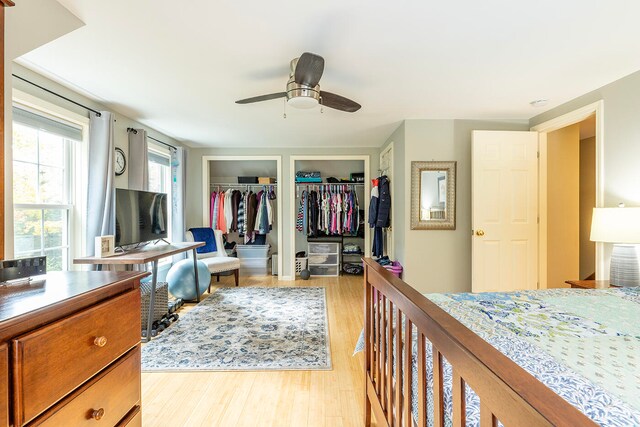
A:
(141, 216)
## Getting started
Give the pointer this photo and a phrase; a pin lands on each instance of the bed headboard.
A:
(507, 392)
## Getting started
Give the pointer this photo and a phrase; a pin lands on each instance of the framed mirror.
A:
(433, 195)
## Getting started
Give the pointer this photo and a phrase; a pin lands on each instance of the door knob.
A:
(480, 233)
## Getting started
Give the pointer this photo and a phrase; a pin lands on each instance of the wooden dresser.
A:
(70, 350)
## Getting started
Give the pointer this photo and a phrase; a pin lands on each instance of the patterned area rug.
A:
(246, 329)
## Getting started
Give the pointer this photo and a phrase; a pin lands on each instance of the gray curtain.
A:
(138, 161)
(178, 196)
(101, 219)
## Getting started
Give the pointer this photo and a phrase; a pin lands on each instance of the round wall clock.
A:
(121, 162)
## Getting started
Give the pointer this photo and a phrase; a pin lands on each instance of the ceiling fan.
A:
(303, 90)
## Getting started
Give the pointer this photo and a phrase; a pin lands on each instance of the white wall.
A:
(33, 23)
(621, 143)
(194, 181)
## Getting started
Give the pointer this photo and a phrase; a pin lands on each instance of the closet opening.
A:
(329, 200)
(252, 228)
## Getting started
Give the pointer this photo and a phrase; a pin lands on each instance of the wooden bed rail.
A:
(507, 392)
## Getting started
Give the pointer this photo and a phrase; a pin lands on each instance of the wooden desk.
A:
(590, 284)
(144, 255)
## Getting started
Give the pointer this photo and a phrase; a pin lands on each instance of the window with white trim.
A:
(43, 195)
(159, 175)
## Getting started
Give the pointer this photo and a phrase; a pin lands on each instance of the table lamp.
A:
(620, 226)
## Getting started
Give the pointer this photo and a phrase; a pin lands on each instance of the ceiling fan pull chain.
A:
(284, 109)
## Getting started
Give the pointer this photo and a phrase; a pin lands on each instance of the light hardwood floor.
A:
(272, 398)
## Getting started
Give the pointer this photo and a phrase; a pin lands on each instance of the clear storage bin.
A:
(252, 251)
(324, 270)
(330, 259)
(324, 248)
(254, 266)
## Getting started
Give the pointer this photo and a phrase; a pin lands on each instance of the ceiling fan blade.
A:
(309, 69)
(262, 98)
(338, 102)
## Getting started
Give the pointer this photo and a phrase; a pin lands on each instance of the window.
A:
(160, 175)
(42, 191)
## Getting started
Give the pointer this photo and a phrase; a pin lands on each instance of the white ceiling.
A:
(179, 66)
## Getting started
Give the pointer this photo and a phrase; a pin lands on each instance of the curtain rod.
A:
(58, 95)
(135, 131)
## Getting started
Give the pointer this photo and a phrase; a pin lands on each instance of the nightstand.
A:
(590, 284)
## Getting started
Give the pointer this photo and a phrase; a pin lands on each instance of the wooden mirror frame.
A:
(449, 223)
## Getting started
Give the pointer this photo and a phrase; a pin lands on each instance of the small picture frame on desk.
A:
(105, 246)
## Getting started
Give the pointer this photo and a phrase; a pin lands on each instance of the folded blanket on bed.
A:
(206, 235)
(582, 344)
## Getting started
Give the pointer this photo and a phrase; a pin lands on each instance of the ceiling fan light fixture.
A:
(301, 96)
(303, 102)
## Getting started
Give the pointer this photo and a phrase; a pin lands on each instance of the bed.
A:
(556, 357)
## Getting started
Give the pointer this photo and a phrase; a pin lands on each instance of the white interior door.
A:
(505, 211)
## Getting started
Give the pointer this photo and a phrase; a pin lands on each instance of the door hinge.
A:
(538, 154)
(538, 220)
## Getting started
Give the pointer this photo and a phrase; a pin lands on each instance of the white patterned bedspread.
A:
(582, 344)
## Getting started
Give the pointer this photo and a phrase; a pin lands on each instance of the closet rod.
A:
(309, 184)
(57, 94)
(135, 131)
(231, 184)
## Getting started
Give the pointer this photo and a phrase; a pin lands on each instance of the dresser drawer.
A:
(133, 419)
(105, 400)
(4, 385)
(52, 361)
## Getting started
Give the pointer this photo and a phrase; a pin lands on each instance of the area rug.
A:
(246, 329)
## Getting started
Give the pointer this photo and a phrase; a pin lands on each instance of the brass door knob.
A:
(480, 233)
(97, 414)
(100, 341)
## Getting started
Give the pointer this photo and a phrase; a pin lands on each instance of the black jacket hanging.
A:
(314, 213)
(383, 218)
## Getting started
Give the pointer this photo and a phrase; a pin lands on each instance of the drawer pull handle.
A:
(97, 414)
(100, 342)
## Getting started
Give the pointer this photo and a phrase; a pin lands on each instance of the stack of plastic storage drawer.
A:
(254, 259)
(324, 259)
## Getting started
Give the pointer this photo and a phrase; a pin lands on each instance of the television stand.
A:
(162, 240)
(145, 255)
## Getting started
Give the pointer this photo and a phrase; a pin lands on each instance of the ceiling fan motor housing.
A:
(302, 96)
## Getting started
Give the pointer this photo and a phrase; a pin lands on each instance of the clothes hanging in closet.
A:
(330, 210)
(247, 213)
(379, 212)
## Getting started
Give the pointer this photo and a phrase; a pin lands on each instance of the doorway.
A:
(328, 165)
(220, 170)
(571, 197)
(589, 121)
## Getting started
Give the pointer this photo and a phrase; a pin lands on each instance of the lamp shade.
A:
(616, 225)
